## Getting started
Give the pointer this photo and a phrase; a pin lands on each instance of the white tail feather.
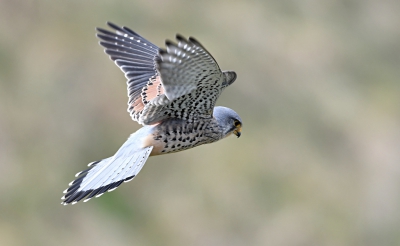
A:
(109, 173)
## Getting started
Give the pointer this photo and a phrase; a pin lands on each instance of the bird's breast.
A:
(175, 135)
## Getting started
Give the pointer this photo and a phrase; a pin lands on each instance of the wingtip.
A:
(169, 42)
(130, 30)
(162, 51)
(194, 41)
(180, 37)
(112, 25)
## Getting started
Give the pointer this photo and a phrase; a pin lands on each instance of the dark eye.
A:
(236, 123)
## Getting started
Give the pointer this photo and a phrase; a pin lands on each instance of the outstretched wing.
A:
(183, 81)
(186, 66)
(192, 82)
(135, 56)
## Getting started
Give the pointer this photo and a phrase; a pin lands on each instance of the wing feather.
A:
(162, 81)
(135, 56)
(184, 66)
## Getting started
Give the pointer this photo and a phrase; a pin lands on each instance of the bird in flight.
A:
(172, 93)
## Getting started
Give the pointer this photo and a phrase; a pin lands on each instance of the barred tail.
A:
(107, 174)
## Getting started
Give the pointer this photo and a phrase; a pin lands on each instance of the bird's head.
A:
(229, 121)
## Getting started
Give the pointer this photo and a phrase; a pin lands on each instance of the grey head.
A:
(228, 121)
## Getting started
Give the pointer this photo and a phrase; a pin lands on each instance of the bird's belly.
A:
(174, 144)
(175, 135)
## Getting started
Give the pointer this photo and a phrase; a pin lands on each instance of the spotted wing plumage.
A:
(192, 82)
(182, 81)
(186, 66)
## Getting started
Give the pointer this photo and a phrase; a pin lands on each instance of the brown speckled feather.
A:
(183, 81)
(173, 135)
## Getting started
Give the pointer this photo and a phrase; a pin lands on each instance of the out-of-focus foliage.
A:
(318, 90)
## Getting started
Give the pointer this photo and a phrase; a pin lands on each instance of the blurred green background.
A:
(318, 90)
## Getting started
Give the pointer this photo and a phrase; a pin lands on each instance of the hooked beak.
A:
(237, 133)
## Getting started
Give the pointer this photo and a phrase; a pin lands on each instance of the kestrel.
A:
(172, 93)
